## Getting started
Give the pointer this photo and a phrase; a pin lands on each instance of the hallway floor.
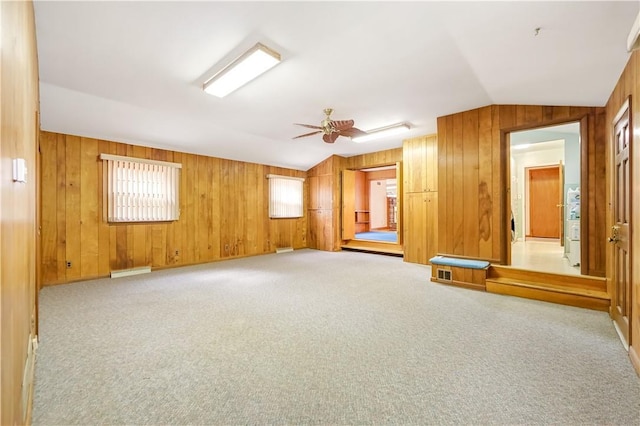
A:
(541, 255)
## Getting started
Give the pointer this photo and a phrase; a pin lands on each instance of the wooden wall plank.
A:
(72, 208)
(103, 227)
(374, 159)
(469, 191)
(89, 208)
(485, 183)
(443, 182)
(61, 219)
(49, 204)
(445, 242)
(188, 209)
(457, 190)
(497, 177)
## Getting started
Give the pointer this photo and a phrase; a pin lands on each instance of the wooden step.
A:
(374, 246)
(573, 290)
(563, 280)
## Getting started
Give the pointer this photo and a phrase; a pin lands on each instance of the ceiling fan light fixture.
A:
(382, 132)
(242, 70)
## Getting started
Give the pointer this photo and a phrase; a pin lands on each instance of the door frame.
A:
(399, 202)
(505, 169)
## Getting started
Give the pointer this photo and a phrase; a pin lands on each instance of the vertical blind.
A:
(140, 190)
(285, 196)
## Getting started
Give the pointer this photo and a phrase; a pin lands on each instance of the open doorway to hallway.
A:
(376, 204)
(371, 209)
(545, 199)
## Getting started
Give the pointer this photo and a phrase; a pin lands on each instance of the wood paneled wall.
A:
(223, 204)
(18, 139)
(374, 159)
(473, 182)
(629, 85)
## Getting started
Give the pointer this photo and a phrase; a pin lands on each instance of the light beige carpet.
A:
(312, 337)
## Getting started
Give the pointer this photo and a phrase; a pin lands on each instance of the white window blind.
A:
(140, 190)
(285, 196)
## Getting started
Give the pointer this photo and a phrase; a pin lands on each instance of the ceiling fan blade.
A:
(353, 132)
(309, 126)
(331, 137)
(342, 124)
(307, 134)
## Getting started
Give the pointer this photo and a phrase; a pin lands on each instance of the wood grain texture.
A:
(19, 106)
(474, 184)
(420, 187)
(420, 162)
(627, 86)
(322, 208)
(223, 205)
(374, 159)
(473, 279)
(420, 226)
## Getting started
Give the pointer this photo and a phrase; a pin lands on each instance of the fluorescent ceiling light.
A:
(382, 132)
(248, 66)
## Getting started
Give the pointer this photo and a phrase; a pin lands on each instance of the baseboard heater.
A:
(133, 271)
(284, 249)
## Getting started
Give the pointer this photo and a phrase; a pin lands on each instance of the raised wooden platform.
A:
(374, 246)
(574, 290)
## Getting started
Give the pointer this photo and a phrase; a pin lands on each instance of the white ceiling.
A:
(133, 71)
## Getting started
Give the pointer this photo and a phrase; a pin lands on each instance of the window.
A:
(139, 190)
(285, 196)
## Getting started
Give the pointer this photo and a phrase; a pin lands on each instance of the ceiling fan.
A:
(331, 129)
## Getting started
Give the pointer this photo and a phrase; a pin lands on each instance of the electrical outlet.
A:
(68, 264)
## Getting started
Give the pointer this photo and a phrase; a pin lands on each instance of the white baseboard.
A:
(132, 271)
(28, 375)
(284, 249)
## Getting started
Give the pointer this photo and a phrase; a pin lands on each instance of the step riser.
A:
(548, 296)
(567, 281)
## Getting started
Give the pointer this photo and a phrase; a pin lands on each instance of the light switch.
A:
(19, 170)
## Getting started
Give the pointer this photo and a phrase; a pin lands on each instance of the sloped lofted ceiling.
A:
(133, 71)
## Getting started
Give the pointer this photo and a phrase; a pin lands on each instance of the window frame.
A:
(156, 198)
(285, 210)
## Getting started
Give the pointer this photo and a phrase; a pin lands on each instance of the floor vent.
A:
(444, 274)
(132, 271)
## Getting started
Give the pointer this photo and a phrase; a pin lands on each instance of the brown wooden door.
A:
(348, 204)
(544, 193)
(399, 202)
(621, 280)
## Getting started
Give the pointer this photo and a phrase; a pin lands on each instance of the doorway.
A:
(371, 209)
(545, 198)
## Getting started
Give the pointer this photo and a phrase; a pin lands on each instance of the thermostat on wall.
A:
(19, 170)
